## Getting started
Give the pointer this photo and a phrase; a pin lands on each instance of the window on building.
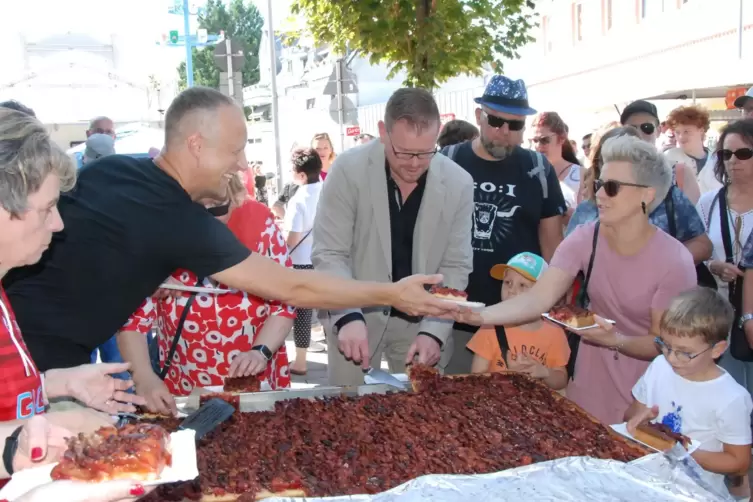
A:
(546, 34)
(579, 22)
(310, 103)
(608, 14)
(290, 66)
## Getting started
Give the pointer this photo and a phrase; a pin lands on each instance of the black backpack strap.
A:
(504, 345)
(669, 204)
(178, 331)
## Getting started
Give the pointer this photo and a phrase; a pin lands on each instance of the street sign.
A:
(353, 131)
(174, 36)
(202, 36)
(348, 81)
(237, 93)
(350, 112)
(237, 51)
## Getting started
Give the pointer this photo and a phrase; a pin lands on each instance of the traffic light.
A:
(174, 36)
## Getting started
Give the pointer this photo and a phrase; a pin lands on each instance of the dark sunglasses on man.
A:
(613, 187)
(740, 153)
(647, 128)
(218, 211)
(499, 122)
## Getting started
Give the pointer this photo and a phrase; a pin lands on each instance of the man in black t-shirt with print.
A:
(517, 196)
(130, 223)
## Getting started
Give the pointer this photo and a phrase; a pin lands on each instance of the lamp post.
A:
(187, 34)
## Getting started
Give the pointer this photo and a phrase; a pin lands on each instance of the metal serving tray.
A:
(265, 401)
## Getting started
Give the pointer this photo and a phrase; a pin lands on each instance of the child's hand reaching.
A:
(522, 363)
(645, 414)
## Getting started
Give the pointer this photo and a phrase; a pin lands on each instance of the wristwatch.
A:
(264, 351)
(9, 452)
(745, 318)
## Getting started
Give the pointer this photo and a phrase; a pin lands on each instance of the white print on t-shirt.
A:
(491, 216)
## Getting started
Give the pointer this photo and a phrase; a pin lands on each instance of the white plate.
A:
(474, 306)
(622, 429)
(550, 318)
(183, 468)
(193, 289)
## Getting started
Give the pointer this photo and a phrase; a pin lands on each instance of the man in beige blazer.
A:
(390, 208)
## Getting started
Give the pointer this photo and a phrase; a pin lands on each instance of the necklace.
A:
(559, 174)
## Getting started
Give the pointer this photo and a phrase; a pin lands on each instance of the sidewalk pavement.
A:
(316, 362)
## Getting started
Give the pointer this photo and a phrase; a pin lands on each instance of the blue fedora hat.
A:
(505, 95)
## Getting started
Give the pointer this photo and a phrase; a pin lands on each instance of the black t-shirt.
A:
(509, 204)
(128, 226)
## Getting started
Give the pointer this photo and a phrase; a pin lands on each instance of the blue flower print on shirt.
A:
(687, 220)
(673, 420)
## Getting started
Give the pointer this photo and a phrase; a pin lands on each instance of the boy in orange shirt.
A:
(539, 348)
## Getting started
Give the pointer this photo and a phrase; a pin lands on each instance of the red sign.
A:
(732, 95)
(353, 131)
(446, 117)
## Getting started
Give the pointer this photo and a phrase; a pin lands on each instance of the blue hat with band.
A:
(505, 95)
(529, 265)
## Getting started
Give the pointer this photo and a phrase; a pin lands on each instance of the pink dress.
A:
(626, 289)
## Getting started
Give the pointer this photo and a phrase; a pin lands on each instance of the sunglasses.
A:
(543, 140)
(499, 122)
(647, 128)
(217, 211)
(740, 153)
(612, 187)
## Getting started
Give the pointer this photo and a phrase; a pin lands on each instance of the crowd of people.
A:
(653, 238)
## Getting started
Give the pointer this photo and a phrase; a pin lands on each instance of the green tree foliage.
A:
(239, 20)
(432, 40)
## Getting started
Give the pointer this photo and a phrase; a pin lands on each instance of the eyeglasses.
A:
(499, 122)
(613, 187)
(217, 211)
(647, 128)
(543, 140)
(683, 357)
(411, 155)
(740, 153)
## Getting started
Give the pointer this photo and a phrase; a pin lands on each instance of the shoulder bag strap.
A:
(178, 331)
(300, 242)
(669, 204)
(711, 209)
(452, 151)
(583, 295)
(540, 168)
(724, 224)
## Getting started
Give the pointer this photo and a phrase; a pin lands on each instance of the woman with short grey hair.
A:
(632, 270)
(33, 171)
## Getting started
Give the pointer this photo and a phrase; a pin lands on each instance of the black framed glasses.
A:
(499, 122)
(543, 140)
(740, 153)
(411, 155)
(613, 187)
(683, 357)
(217, 211)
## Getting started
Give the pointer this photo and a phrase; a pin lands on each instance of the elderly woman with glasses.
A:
(675, 213)
(636, 269)
(33, 171)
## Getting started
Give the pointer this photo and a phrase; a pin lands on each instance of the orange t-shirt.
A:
(547, 345)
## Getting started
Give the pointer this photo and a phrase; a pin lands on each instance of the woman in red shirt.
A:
(221, 331)
(33, 170)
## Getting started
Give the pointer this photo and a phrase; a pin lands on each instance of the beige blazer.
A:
(352, 230)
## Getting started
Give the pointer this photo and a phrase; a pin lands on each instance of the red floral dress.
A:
(219, 327)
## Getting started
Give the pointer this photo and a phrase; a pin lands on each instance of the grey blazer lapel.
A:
(429, 218)
(377, 180)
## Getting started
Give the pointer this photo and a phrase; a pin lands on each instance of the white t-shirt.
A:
(711, 220)
(712, 412)
(299, 217)
(572, 178)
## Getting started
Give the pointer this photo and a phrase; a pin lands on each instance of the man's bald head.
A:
(194, 110)
(101, 125)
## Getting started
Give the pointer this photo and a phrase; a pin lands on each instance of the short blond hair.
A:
(699, 312)
(27, 157)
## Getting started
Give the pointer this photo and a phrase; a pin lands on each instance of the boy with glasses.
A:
(684, 389)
